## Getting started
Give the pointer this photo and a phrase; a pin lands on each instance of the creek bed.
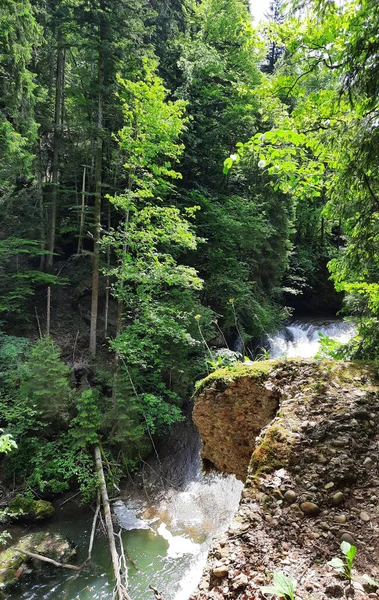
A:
(169, 547)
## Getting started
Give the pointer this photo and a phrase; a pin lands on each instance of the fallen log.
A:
(121, 591)
(47, 560)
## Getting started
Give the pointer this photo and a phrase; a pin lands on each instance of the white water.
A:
(170, 539)
(184, 525)
(301, 338)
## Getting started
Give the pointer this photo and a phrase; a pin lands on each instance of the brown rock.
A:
(346, 536)
(310, 509)
(290, 496)
(220, 571)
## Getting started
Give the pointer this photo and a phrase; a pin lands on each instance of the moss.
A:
(255, 370)
(42, 510)
(273, 452)
(51, 545)
(26, 509)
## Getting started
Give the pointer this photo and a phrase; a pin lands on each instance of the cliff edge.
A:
(311, 475)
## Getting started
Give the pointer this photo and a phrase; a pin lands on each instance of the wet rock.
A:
(310, 509)
(14, 565)
(368, 463)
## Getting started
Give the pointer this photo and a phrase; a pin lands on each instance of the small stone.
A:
(364, 517)
(240, 581)
(221, 571)
(329, 485)
(290, 496)
(346, 536)
(337, 498)
(368, 463)
(310, 509)
(324, 526)
(340, 518)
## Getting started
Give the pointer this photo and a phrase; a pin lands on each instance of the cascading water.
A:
(169, 539)
(301, 338)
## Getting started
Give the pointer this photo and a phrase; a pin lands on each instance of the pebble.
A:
(240, 580)
(221, 571)
(364, 517)
(340, 518)
(368, 462)
(337, 498)
(310, 509)
(346, 536)
(329, 485)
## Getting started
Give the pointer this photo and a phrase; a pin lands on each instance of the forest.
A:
(176, 181)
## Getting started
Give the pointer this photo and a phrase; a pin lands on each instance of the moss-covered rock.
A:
(14, 565)
(25, 508)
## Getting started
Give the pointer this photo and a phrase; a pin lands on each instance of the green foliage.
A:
(86, 425)
(330, 348)
(7, 443)
(284, 586)
(44, 382)
(345, 566)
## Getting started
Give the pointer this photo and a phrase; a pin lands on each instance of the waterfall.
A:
(301, 338)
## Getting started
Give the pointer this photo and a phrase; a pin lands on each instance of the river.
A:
(167, 538)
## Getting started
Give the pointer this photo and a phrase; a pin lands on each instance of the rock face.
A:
(15, 566)
(229, 415)
(312, 479)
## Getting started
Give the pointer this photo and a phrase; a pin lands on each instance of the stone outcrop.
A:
(312, 479)
(230, 412)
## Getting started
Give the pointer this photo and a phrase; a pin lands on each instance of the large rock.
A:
(24, 508)
(14, 565)
(234, 406)
(314, 438)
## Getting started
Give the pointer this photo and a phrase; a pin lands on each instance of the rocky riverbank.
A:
(312, 480)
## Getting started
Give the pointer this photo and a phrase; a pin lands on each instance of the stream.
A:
(168, 539)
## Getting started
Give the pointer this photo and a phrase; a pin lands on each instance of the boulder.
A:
(25, 508)
(14, 565)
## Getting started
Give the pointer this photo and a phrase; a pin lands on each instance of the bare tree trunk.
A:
(121, 590)
(48, 311)
(107, 281)
(98, 185)
(41, 209)
(82, 212)
(56, 145)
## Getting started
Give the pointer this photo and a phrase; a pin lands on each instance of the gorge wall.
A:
(311, 476)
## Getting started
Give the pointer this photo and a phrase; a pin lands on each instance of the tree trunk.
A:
(82, 212)
(56, 146)
(121, 591)
(98, 185)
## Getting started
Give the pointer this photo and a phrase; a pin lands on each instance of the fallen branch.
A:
(68, 499)
(90, 546)
(47, 560)
(120, 588)
(157, 594)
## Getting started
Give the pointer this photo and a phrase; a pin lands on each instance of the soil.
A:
(312, 482)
